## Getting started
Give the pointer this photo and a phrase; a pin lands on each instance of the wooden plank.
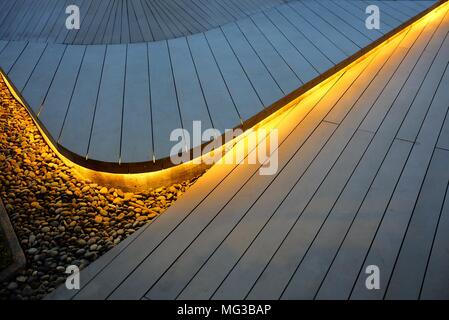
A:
(116, 35)
(339, 39)
(356, 21)
(49, 32)
(75, 133)
(263, 223)
(320, 255)
(250, 95)
(321, 41)
(3, 44)
(86, 11)
(179, 14)
(16, 19)
(175, 28)
(221, 106)
(46, 21)
(107, 37)
(298, 125)
(110, 277)
(385, 19)
(125, 31)
(411, 264)
(384, 72)
(345, 266)
(311, 219)
(424, 50)
(102, 13)
(192, 104)
(157, 29)
(42, 76)
(166, 30)
(278, 68)
(412, 122)
(164, 100)
(168, 250)
(436, 278)
(178, 275)
(397, 216)
(25, 64)
(305, 46)
(107, 126)
(10, 53)
(56, 103)
(353, 34)
(303, 69)
(135, 33)
(443, 140)
(142, 21)
(137, 140)
(26, 32)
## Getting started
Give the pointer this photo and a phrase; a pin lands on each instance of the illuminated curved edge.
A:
(191, 169)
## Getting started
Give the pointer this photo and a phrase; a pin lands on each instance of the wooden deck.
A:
(363, 180)
(109, 94)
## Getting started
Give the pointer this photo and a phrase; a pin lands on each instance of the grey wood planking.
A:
(386, 18)
(443, 140)
(144, 25)
(326, 46)
(107, 125)
(262, 241)
(94, 25)
(136, 34)
(339, 39)
(297, 62)
(121, 276)
(231, 212)
(393, 226)
(40, 81)
(250, 94)
(356, 21)
(163, 93)
(156, 29)
(384, 72)
(344, 268)
(57, 100)
(221, 106)
(312, 269)
(306, 47)
(76, 131)
(192, 104)
(254, 50)
(137, 135)
(190, 227)
(261, 80)
(10, 54)
(208, 279)
(410, 266)
(436, 278)
(240, 279)
(178, 275)
(338, 23)
(278, 68)
(25, 64)
(412, 123)
(312, 265)
(3, 44)
(109, 278)
(428, 46)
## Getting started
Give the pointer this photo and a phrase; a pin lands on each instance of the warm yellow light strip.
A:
(138, 181)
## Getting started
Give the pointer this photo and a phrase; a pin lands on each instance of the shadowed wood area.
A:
(362, 179)
(109, 95)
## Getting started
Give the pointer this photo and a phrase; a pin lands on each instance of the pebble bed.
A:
(60, 219)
